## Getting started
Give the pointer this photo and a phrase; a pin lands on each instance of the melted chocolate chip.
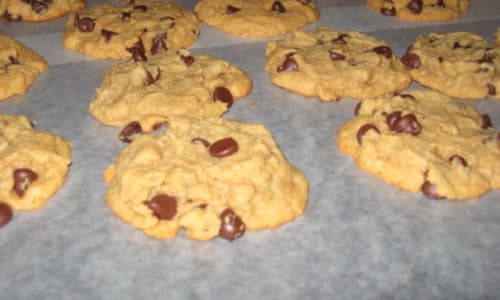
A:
(231, 10)
(23, 178)
(142, 8)
(357, 108)
(5, 214)
(13, 60)
(415, 6)
(440, 3)
(137, 51)
(392, 118)
(411, 60)
(492, 90)
(340, 39)
(198, 140)
(38, 6)
(289, 65)
(223, 147)
(408, 124)
(130, 131)
(8, 16)
(159, 44)
(458, 158)
(390, 12)
(107, 34)
(188, 60)
(429, 190)
(336, 56)
(363, 130)
(487, 58)
(231, 226)
(384, 51)
(486, 122)
(85, 24)
(150, 79)
(277, 6)
(224, 95)
(164, 207)
(125, 15)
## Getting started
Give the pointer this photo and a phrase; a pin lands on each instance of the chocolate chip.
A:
(188, 60)
(231, 10)
(415, 6)
(487, 58)
(407, 124)
(164, 207)
(411, 60)
(277, 6)
(85, 24)
(125, 15)
(223, 147)
(231, 226)
(392, 118)
(288, 65)
(440, 59)
(357, 108)
(224, 95)
(390, 12)
(336, 56)
(486, 122)
(458, 158)
(130, 131)
(408, 96)
(9, 17)
(142, 8)
(23, 178)
(384, 51)
(158, 126)
(198, 140)
(38, 6)
(5, 214)
(137, 51)
(13, 60)
(159, 43)
(107, 34)
(429, 190)
(150, 79)
(340, 39)
(363, 129)
(492, 90)
(440, 3)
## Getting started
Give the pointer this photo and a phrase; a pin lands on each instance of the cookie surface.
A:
(425, 141)
(420, 10)
(332, 64)
(257, 18)
(211, 176)
(38, 10)
(19, 67)
(33, 163)
(171, 83)
(112, 32)
(459, 64)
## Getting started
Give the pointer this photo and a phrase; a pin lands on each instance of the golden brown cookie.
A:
(459, 64)
(172, 83)
(211, 176)
(333, 64)
(421, 10)
(257, 18)
(33, 163)
(19, 67)
(425, 141)
(140, 28)
(38, 10)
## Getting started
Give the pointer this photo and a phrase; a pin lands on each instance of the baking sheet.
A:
(359, 237)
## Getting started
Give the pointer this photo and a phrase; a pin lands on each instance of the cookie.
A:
(333, 64)
(257, 18)
(211, 176)
(19, 67)
(425, 141)
(458, 64)
(171, 83)
(421, 10)
(38, 10)
(33, 164)
(143, 26)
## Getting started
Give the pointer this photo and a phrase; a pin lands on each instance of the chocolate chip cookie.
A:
(333, 64)
(211, 176)
(425, 141)
(143, 26)
(143, 93)
(33, 165)
(257, 18)
(19, 67)
(38, 10)
(459, 64)
(420, 10)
